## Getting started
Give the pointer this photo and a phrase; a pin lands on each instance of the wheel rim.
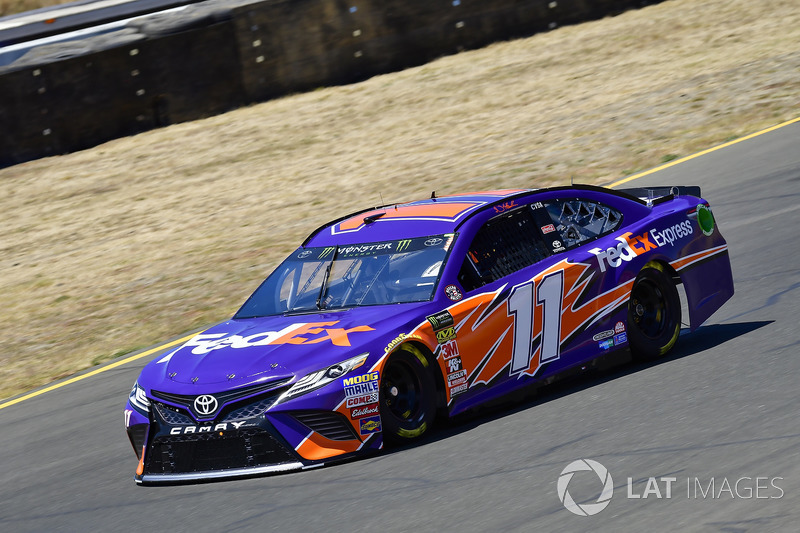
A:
(649, 309)
(401, 391)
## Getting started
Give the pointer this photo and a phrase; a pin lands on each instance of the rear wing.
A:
(658, 194)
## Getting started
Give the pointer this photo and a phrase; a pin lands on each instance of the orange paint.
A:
(441, 210)
(317, 447)
(338, 336)
(140, 468)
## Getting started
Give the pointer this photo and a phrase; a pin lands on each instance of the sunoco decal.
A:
(369, 425)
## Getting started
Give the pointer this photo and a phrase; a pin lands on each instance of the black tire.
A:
(407, 396)
(654, 313)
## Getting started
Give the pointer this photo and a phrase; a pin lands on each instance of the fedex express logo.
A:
(301, 333)
(631, 246)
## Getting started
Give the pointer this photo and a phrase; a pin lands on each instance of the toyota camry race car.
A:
(386, 318)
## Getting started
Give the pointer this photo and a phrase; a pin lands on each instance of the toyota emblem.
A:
(205, 404)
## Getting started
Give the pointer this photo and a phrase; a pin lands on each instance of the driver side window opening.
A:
(505, 244)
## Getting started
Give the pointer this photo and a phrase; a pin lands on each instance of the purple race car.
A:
(386, 318)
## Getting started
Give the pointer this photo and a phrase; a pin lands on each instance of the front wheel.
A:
(654, 313)
(407, 396)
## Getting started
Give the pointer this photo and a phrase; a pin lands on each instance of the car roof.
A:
(432, 216)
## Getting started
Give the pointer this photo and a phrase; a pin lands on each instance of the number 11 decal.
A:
(549, 294)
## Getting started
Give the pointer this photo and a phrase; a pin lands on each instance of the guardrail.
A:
(218, 55)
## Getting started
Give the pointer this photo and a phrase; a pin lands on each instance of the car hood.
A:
(244, 351)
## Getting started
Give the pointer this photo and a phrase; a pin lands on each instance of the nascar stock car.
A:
(385, 319)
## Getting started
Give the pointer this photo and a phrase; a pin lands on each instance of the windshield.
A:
(375, 273)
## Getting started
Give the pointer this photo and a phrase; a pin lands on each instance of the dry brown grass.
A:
(11, 7)
(143, 238)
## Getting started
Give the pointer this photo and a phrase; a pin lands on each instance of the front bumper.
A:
(175, 448)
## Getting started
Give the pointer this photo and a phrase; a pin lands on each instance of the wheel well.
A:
(665, 267)
(433, 367)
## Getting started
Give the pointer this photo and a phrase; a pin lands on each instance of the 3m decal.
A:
(549, 228)
(449, 349)
(549, 294)
(293, 334)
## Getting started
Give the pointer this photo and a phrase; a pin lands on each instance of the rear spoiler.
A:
(658, 194)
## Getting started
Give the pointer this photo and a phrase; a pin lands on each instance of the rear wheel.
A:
(654, 313)
(407, 396)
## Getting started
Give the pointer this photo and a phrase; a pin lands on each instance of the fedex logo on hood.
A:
(300, 333)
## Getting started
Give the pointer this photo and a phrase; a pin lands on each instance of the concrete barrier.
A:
(218, 55)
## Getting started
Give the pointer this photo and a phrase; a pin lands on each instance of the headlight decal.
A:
(138, 399)
(320, 378)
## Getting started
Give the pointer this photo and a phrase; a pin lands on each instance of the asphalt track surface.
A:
(723, 407)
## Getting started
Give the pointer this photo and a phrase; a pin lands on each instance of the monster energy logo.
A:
(403, 245)
(441, 320)
(326, 252)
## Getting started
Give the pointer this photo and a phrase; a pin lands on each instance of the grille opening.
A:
(330, 425)
(251, 447)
